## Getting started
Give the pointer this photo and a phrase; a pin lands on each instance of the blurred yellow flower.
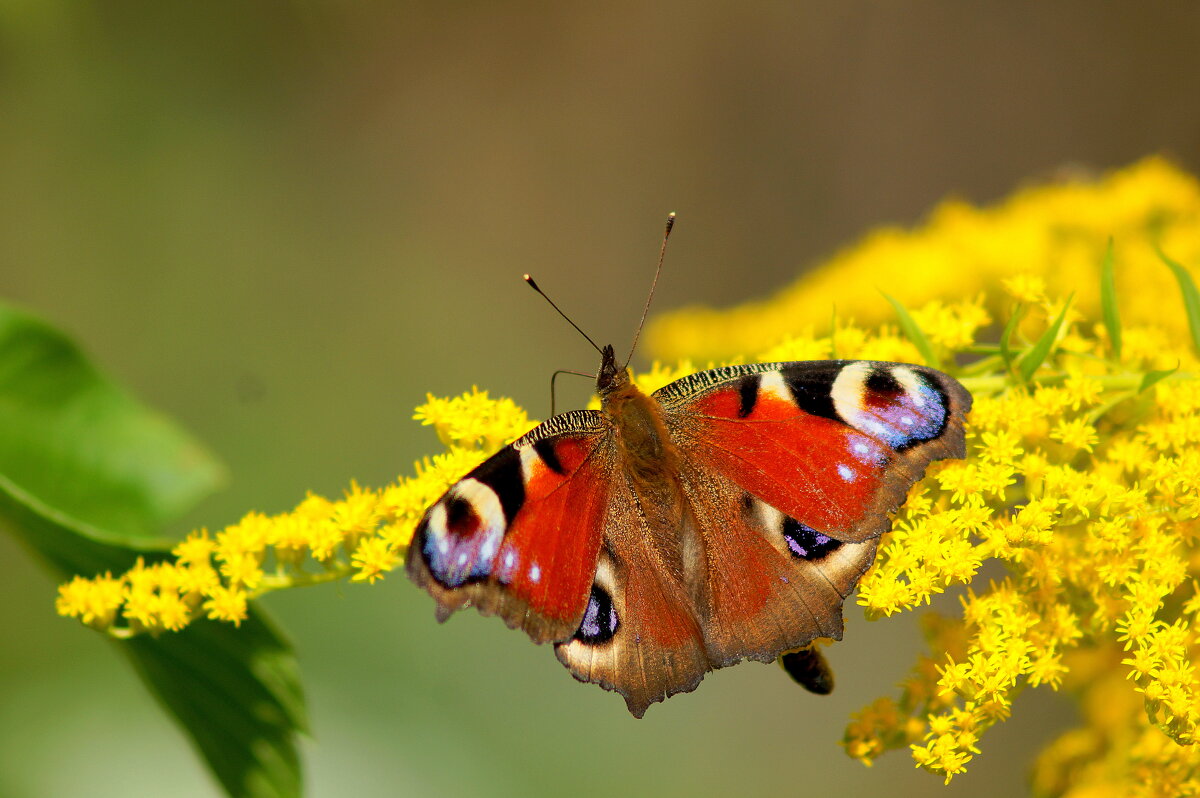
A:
(1045, 240)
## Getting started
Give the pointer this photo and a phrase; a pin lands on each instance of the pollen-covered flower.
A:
(473, 420)
(373, 558)
(94, 601)
(225, 604)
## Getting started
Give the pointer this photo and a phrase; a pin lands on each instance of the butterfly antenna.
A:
(534, 286)
(661, 254)
(554, 377)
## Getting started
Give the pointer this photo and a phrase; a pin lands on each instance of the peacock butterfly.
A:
(725, 516)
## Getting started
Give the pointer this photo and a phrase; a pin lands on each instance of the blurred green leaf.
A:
(914, 333)
(1041, 348)
(87, 477)
(1151, 378)
(1191, 297)
(237, 692)
(1006, 352)
(1108, 300)
(80, 444)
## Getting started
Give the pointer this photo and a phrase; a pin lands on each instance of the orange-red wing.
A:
(834, 445)
(520, 535)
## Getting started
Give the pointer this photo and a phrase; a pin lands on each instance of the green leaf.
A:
(1041, 348)
(80, 444)
(1191, 297)
(1150, 378)
(87, 479)
(1108, 300)
(236, 690)
(1006, 352)
(914, 333)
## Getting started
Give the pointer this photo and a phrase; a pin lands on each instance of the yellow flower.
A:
(374, 557)
(197, 548)
(1076, 433)
(94, 601)
(1026, 287)
(1043, 241)
(361, 537)
(473, 420)
(226, 604)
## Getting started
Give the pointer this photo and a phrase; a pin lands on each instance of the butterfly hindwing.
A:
(770, 583)
(519, 536)
(640, 635)
(834, 445)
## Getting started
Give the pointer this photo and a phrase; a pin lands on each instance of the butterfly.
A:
(723, 517)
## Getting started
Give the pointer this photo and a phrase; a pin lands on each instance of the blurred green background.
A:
(283, 223)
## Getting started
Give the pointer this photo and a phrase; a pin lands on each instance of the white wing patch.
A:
(847, 392)
(772, 384)
(531, 463)
(911, 383)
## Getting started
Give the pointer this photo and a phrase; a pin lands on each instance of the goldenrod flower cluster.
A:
(1080, 493)
(362, 537)
(1087, 489)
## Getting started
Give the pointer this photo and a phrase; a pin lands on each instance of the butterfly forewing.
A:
(519, 536)
(834, 445)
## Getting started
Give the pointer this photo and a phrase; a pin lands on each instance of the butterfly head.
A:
(611, 376)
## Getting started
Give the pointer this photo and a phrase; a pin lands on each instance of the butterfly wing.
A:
(663, 612)
(520, 535)
(834, 445)
(549, 535)
(791, 471)
(641, 635)
(769, 583)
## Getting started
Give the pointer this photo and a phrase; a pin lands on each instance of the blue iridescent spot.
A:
(806, 542)
(600, 620)
(866, 451)
(458, 542)
(455, 564)
(901, 414)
